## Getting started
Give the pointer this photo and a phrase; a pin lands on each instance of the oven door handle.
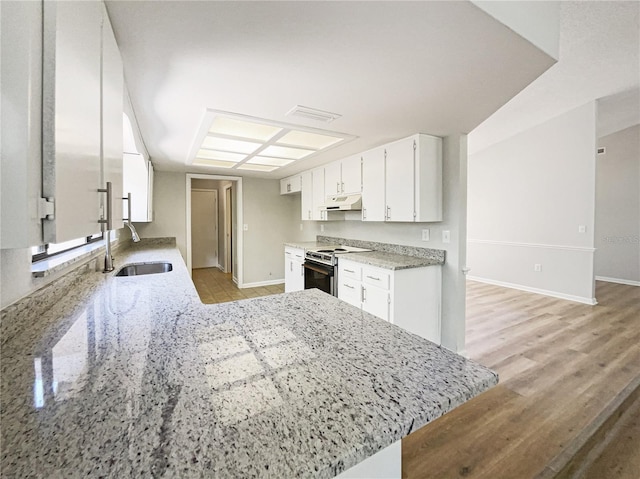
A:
(317, 269)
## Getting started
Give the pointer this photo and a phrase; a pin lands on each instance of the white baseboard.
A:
(553, 294)
(235, 280)
(257, 284)
(221, 268)
(618, 280)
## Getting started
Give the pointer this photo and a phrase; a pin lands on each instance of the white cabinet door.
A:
(21, 132)
(352, 175)
(293, 269)
(428, 180)
(136, 180)
(332, 179)
(292, 184)
(306, 196)
(285, 186)
(71, 118)
(318, 194)
(400, 180)
(376, 301)
(112, 109)
(350, 291)
(373, 185)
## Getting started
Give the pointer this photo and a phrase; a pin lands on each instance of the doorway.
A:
(225, 227)
(204, 228)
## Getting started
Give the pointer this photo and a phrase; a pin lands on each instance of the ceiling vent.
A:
(602, 151)
(313, 114)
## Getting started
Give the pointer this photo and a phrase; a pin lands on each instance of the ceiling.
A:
(391, 69)
(599, 59)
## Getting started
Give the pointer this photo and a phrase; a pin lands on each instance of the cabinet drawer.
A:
(376, 277)
(348, 269)
(349, 290)
(294, 253)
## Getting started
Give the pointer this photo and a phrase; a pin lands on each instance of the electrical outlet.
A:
(582, 228)
(537, 267)
(245, 227)
(425, 235)
(446, 236)
(321, 228)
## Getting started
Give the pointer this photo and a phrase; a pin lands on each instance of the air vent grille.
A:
(602, 151)
(313, 114)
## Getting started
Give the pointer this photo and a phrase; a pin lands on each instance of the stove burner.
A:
(339, 249)
(325, 251)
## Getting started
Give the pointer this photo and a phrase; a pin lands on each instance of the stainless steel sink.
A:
(138, 269)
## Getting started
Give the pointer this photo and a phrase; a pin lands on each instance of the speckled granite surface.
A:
(134, 377)
(393, 261)
(385, 255)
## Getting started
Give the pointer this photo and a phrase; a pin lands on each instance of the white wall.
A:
(169, 207)
(527, 197)
(454, 220)
(618, 207)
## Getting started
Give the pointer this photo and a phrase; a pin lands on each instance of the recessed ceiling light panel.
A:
(267, 160)
(239, 142)
(220, 155)
(233, 146)
(308, 140)
(286, 152)
(243, 129)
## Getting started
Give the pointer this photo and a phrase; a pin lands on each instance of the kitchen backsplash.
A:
(430, 253)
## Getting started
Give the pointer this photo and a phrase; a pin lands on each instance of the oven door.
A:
(319, 276)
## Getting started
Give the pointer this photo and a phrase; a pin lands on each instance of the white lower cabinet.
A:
(293, 269)
(409, 298)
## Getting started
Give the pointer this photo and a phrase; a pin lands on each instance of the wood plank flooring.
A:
(214, 286)
(560, 364)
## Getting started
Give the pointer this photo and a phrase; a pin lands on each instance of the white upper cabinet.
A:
(112, 108)
(306, 196)
(72, 118)
(318, 197)
(332, 179)
(413, 179)
(138, 180)
(399, 180)
(373, 185)
(343, 177)
(292, 184)
(82, 119)
(352, 175)
(21, 132)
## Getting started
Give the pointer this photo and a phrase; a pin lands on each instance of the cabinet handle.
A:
(342, 186)
(301, 269)
(363, 297)
(373, 278)
(364, 213)
(388, 213)
(348, 286)
(349, 271)
(338, 187)
(291, 266)
(288, 187)
(107, 222)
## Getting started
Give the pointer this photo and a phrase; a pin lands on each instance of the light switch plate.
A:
(582, 228)
(321, 228)
(425, 235)
(245, 227)
(446, 236)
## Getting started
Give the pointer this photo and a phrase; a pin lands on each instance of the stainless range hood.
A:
(343, 203)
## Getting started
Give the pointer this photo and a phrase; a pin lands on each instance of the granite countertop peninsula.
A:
(134, 377)
(393, 261)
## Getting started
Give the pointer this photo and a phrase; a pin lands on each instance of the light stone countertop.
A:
(135, 377)
(393, 261)
(308, 244)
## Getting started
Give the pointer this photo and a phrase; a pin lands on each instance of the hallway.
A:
(214, 286)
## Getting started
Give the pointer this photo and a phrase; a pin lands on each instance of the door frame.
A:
(228, 230)
(217, 220)
(238, 219)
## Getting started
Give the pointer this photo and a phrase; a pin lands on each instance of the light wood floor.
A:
(559, 362)
(214, 286)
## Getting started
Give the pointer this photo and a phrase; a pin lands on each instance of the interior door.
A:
(204, 228)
